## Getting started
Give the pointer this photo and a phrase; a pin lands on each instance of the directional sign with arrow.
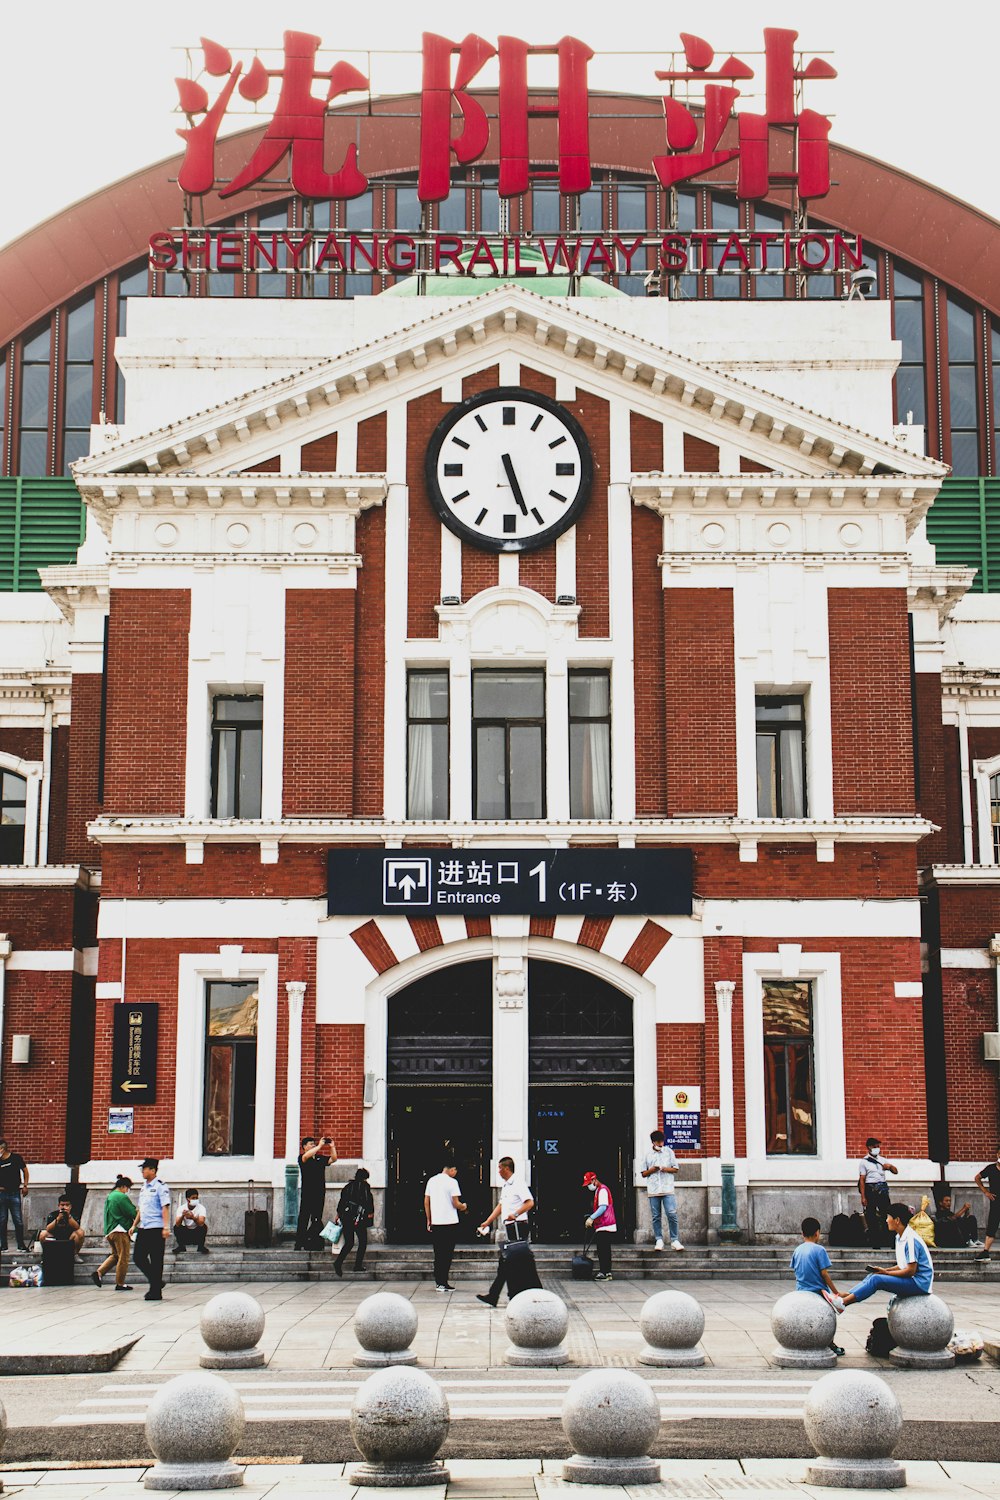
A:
(133, 1053)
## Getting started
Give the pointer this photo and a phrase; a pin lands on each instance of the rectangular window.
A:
(36, 375)
(230, 1068)
(427, 745)
(78, 380)
(781, 758)
(589, 744)
(789, 1085)
(508, 744)
(908, 327)
(963, 404)
(237, 746)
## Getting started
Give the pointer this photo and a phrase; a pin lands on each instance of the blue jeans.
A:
(900, 1286)
(11, 1201)
(656, 1205)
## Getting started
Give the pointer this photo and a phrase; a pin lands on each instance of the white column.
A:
(724, 989)
(510, 1042)
(5, 951)
(295, 989)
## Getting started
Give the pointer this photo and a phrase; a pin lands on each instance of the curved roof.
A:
(97, 236)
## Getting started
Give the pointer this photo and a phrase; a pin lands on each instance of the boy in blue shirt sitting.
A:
(911, 1276)
(811, 1265)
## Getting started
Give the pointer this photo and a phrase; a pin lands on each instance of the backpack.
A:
(880, 1340)
(858, 1231)
(840, 1231)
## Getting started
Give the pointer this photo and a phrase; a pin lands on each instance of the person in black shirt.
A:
(989, 1180)
(355, 1212)
(954, 1228)
(61, 1225)
(13, 1186)
(314, 1158)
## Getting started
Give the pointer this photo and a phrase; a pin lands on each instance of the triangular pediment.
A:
(444, 344)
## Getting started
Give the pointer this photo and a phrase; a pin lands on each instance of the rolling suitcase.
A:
(256, 1224)
(519, 1266)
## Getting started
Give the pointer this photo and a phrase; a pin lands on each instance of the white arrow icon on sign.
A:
(406, 882)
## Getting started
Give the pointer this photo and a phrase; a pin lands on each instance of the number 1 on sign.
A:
(539, 870)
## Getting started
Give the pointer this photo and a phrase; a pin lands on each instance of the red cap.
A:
(588, 1178)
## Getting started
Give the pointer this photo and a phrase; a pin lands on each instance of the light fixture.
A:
(565, 598)
(451, 599)
(20, 1049)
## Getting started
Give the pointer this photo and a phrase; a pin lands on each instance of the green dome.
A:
(451, 284)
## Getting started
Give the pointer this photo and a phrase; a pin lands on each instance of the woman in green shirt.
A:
(119, 1216)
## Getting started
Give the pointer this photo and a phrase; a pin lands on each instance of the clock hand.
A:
(515, 487)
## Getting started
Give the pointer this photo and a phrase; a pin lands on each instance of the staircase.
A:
(476, 1263)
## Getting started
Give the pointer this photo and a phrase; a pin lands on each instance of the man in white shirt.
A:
(659, 1168)
(514, 1207)
(442, 1206)
(191, 1224)
(873, 1187)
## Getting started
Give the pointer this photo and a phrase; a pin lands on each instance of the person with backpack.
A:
(911, 1276)
(602, 1220)
(873, 1187)
(355, 1212)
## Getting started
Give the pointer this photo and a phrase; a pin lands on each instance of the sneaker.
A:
(95, 1277)
(124, 1288)
(441, 1289)
(983, 1255)
(482, 1297)
(676, 1245)
(603, 1276)
(837, 1303)
(658, 1245)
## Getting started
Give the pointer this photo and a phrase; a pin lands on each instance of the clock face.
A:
(509, 470)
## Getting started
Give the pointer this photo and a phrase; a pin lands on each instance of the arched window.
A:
(13, 817)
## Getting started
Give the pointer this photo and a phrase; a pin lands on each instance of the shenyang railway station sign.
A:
(316, 107)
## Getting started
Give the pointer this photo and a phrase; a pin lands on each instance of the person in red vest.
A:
(602, 1220)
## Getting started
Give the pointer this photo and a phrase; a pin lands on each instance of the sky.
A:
(87, 93)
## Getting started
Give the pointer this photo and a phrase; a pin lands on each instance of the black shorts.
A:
(993, 1221)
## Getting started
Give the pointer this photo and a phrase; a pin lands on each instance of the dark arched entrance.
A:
(439, 1077)
(581, 1111)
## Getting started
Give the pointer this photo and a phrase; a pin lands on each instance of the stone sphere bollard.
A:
(804, 1325)
(853, 1420)
(611, 1418)
(671, 1323)
(231, 1325)
(922, 1328)
(3, 1433)
(384, 1325)
(193, 1426)
(399, 1420)
(536, 1322)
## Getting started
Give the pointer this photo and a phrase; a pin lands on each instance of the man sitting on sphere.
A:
(911, 1276)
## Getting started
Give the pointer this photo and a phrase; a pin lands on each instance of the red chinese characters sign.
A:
(454, 124)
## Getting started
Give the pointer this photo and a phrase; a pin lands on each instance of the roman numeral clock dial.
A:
(508, 470)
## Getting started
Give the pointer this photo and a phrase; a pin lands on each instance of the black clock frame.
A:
(493, 396)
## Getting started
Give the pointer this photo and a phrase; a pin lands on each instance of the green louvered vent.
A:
(964, 525)
(42, 523)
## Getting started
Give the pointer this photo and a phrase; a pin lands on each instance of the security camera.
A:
(864, 283)
(653, 284)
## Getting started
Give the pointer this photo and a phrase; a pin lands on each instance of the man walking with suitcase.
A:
(513, 1209)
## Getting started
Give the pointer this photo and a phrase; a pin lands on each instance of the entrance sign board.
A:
(695, 140)
(522, 882)
(682, 1117)
(133, 1053)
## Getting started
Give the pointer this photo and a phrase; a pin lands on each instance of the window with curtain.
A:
(13, 802)
(908, 327)
(781, 758)
(508, 744)
(237, 748)
(427, 755)
(789, 1079)
(589, 744)
(35, 380)
(78, 380)
(995, 817)
(230, 1068)
(962, 400)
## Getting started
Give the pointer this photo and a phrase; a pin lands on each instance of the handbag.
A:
(331, 1232)
(581, 1266)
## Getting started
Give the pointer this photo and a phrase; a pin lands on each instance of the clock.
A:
(509, 470)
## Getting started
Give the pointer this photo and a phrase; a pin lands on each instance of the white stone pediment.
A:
(444, 344)
(506, 622)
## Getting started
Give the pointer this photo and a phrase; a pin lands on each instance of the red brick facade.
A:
(147, 701)
(319, 702)
(870, 710)
(700, 694)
